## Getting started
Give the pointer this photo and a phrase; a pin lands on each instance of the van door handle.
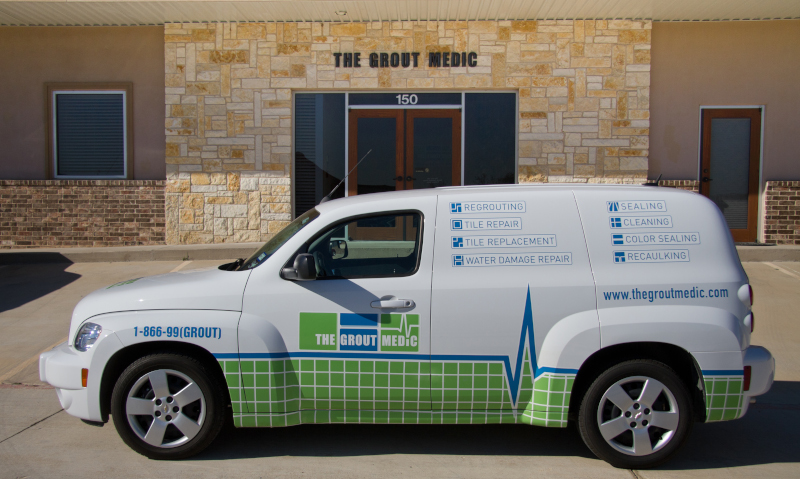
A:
(392, 304)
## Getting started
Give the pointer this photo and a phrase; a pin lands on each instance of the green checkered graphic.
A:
(286, 392)
(550, 403)
(724, 398)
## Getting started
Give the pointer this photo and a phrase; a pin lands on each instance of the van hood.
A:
(209, 289)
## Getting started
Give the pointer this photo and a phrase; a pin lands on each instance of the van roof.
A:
(451, 190)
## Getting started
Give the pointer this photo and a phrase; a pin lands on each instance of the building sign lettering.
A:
(405, 59)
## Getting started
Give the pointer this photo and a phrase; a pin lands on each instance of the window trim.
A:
(52, 89)
(336, 224)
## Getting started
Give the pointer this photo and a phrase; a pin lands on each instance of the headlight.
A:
(87, 335)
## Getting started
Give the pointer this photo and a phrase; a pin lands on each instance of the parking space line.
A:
(180, 266)
(37, 422)
(784, 270)
(28, 362)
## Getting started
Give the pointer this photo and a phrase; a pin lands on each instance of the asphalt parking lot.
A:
(37, 439)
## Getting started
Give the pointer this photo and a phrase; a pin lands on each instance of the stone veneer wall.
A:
(583, 104)
(782, 212)
(36, 213)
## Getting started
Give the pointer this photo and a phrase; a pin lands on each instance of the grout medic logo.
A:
(359, 332)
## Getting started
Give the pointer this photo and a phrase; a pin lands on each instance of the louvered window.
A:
(89, 133)
(319, 148)
(490, 138)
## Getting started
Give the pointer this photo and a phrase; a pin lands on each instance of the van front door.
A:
(408, 149)
(353, 344)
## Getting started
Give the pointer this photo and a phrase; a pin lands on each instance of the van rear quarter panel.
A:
(479, 292)
(512, 290)
(666, 269)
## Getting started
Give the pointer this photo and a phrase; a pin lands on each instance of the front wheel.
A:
(636, 415)
(167, 406)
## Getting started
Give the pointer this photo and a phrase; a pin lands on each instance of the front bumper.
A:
(61, 368)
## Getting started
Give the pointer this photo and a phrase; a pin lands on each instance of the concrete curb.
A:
(769, 253)
(243, 250)
(128, 253)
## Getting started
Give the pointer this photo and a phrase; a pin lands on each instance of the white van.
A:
(624, 309)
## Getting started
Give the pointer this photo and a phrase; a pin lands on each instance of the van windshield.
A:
(278, 240)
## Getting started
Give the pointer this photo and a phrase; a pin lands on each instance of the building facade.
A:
(264, 118)
(583, 107)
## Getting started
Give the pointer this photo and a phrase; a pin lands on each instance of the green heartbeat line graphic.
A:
(405, 324)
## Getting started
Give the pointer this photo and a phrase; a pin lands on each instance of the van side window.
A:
(369, 246)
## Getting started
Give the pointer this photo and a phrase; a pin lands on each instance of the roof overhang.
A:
(146, 12)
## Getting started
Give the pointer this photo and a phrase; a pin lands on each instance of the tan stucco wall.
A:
(583, 86)
(31, 56)
(724, 63)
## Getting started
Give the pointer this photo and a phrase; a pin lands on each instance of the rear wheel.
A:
(636, 415)
(167, 406)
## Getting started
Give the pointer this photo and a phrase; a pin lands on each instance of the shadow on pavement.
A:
(343, 440)
(23, 283)
(32, 258)
(769, 433)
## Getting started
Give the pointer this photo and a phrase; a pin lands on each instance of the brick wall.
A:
(782, 212)
(688, 185)
(781, 208)
(81, 213)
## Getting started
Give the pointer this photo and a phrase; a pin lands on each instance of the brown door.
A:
(410, 149)
(378, 134)
(433, 148)
(731, 141)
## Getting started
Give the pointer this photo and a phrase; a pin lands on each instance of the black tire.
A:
(201, 418)
(629, 448)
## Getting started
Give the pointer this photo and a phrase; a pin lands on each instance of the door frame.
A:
(404, 141)
(703, 151)
(462, 107)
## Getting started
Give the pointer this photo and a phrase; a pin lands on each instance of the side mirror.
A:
(338, 249)
(304, 269)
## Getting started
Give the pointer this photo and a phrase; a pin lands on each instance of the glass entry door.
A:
(411, 149)
(730, 165)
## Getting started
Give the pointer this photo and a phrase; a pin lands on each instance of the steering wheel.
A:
(319, 262)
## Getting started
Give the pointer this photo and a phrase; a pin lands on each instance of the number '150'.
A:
(406, 99)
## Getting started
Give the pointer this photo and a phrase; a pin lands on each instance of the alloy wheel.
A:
(165, 408)
(638, 416)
